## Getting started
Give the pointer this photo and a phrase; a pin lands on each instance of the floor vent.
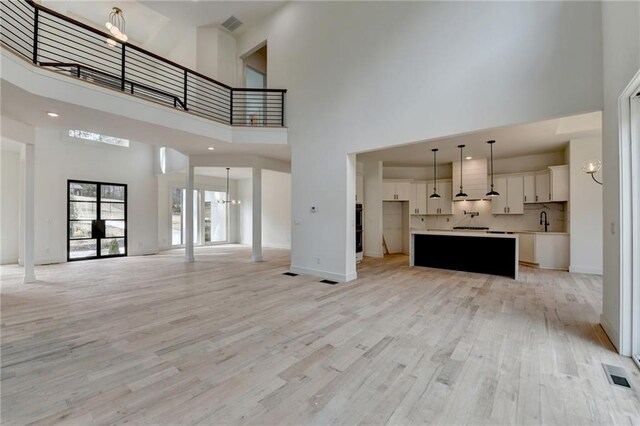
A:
(290, 274)
(329, 282)
(616, 375)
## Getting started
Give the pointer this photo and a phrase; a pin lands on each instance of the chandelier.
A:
(116, 26)
(227, 201)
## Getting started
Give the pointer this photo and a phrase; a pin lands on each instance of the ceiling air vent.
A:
(232, 23)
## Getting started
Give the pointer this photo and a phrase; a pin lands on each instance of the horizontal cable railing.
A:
(62, 44)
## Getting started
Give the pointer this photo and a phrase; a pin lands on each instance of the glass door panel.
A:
(177, 222)
(215, 217)
(97, 214)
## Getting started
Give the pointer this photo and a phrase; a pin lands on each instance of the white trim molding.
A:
(629, 194)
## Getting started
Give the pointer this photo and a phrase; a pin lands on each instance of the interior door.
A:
(97, 220)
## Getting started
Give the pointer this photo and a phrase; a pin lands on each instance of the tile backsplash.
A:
(529, 221)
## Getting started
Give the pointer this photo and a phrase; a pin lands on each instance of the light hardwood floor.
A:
(226, 341)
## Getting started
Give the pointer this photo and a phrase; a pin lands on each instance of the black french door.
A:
(97, 220)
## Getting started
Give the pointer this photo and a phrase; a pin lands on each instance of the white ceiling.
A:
(221, 172)
(213, 13)
(525, 139)
(160, 26)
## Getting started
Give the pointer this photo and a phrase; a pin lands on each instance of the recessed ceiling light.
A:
(468, 158)
(53, 114)
(211, 148)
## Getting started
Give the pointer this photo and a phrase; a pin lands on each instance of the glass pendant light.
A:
(116, 26)
(492, 193)
(227, 201)
(461, 194)
(435, 192)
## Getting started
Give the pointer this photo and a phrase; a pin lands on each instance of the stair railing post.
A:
(231, 107)
(36, 20)
(185, 90)
(122, 67)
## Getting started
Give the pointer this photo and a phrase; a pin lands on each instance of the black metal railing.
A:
(57, 42)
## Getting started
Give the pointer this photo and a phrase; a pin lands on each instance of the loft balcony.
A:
(52, 41)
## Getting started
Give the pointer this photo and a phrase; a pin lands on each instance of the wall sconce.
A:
(592, 167)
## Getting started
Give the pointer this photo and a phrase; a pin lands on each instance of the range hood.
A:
(474, 179)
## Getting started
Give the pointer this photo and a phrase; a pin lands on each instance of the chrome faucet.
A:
(544, 221)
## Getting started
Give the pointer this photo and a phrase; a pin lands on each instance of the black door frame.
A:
(98, 219)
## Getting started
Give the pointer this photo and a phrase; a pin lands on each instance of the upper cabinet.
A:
(474, 178)
(418, 198)
(359, 188)
(559, 183)
(529, 182)
(511, 198)
(543, 190)
(442, 205)
(395, 190)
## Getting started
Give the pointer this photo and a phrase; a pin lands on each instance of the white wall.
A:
(216, 54)
(10, 205)
(276, 209)
(358, 80)
(585, 216)
(621, 43)
(59, 158)
(177, 180)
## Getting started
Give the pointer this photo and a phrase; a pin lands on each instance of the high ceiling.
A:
(514, 141)
(161, 26)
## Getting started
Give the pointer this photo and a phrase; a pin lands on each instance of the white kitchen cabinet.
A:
(543, 190)
(359, 188)
(418, 198)
(511, 198)
(442, 205)
(559, 183)
(527, 248)
(395, 191)
(546, 250)
(529, 182)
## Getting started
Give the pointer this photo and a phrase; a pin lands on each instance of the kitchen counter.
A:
(465, 250)
(542, 232)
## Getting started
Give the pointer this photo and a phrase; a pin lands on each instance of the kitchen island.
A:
(483, 252)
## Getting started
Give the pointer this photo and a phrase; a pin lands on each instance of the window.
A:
(96, 137)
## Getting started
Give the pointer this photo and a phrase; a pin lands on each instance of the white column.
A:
(28, 242)
(188, 201)
(257, 214)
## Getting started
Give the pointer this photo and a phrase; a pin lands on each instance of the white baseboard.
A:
(585, 270)
(373, 254)
(277, 246)
(324, 274)
(611, 331)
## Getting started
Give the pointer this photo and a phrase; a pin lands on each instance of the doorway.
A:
(96, 219)
(255, 77)
(635, 225)
(210, 217)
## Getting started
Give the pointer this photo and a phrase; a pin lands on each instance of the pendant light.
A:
(461, 194)
(492, 193)
(435, 192)
(116, 26)
(227, 201)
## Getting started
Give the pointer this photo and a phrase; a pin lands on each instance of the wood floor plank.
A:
(155, 340)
